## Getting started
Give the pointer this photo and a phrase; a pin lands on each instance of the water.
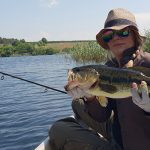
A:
(26, 110)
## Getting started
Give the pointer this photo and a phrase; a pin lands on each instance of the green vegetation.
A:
(89, 51)
(147, 43)
(81, 51)
(14, 47)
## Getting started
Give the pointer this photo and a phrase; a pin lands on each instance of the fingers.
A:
(134, 86)
(144, 99)
(135, 59)
(135, 95)
(138, 57)
(137, 52)
(145, 94)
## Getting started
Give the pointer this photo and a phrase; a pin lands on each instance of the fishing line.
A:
(47, 87)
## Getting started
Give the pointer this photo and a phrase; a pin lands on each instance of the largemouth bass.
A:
(103, 81)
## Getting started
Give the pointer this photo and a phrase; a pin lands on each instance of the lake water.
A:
(26, 110)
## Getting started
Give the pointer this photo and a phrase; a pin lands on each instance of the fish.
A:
(107, 82)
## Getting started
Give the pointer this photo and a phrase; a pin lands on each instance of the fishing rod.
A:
(47, 87)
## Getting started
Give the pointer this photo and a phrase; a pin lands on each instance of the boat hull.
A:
(44, 145)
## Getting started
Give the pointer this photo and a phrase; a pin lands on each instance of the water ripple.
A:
(26, 110)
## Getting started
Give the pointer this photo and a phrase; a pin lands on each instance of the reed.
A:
(88, 52)
(147, 42)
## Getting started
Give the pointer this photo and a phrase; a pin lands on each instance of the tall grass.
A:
(88, 52)
(147, 43)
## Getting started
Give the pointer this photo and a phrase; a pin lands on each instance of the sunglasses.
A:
(109, 34)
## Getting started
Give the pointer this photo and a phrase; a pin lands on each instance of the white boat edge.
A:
(44, 145)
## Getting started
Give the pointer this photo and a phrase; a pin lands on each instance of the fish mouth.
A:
(75, 84)
(76, 80)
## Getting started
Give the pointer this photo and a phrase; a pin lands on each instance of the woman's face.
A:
(121, 41)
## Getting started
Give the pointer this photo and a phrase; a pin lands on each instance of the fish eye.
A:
(76, 69)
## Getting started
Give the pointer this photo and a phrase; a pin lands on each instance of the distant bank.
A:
(80, 50)
(14, 47)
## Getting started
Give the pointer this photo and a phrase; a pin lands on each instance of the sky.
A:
(64, 20)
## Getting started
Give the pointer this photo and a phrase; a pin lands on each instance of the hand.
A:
(138, 57)
(143, 101)
(77, 93)
(133, 60)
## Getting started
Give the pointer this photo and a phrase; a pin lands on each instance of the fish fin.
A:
(102, 100)
(108, 88)
(144, 70)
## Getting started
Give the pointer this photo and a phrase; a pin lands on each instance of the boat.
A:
(44, 145)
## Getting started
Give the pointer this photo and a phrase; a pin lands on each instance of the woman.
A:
(123, 124)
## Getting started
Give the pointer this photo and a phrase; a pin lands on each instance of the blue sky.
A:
(63, 19)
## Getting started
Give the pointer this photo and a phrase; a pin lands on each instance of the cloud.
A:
(143, 21)
(49, 3)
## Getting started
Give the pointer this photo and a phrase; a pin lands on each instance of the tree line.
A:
(15, 47)
(6, 41)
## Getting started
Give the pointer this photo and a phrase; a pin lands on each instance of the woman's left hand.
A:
(142, 101)
(133, 60)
